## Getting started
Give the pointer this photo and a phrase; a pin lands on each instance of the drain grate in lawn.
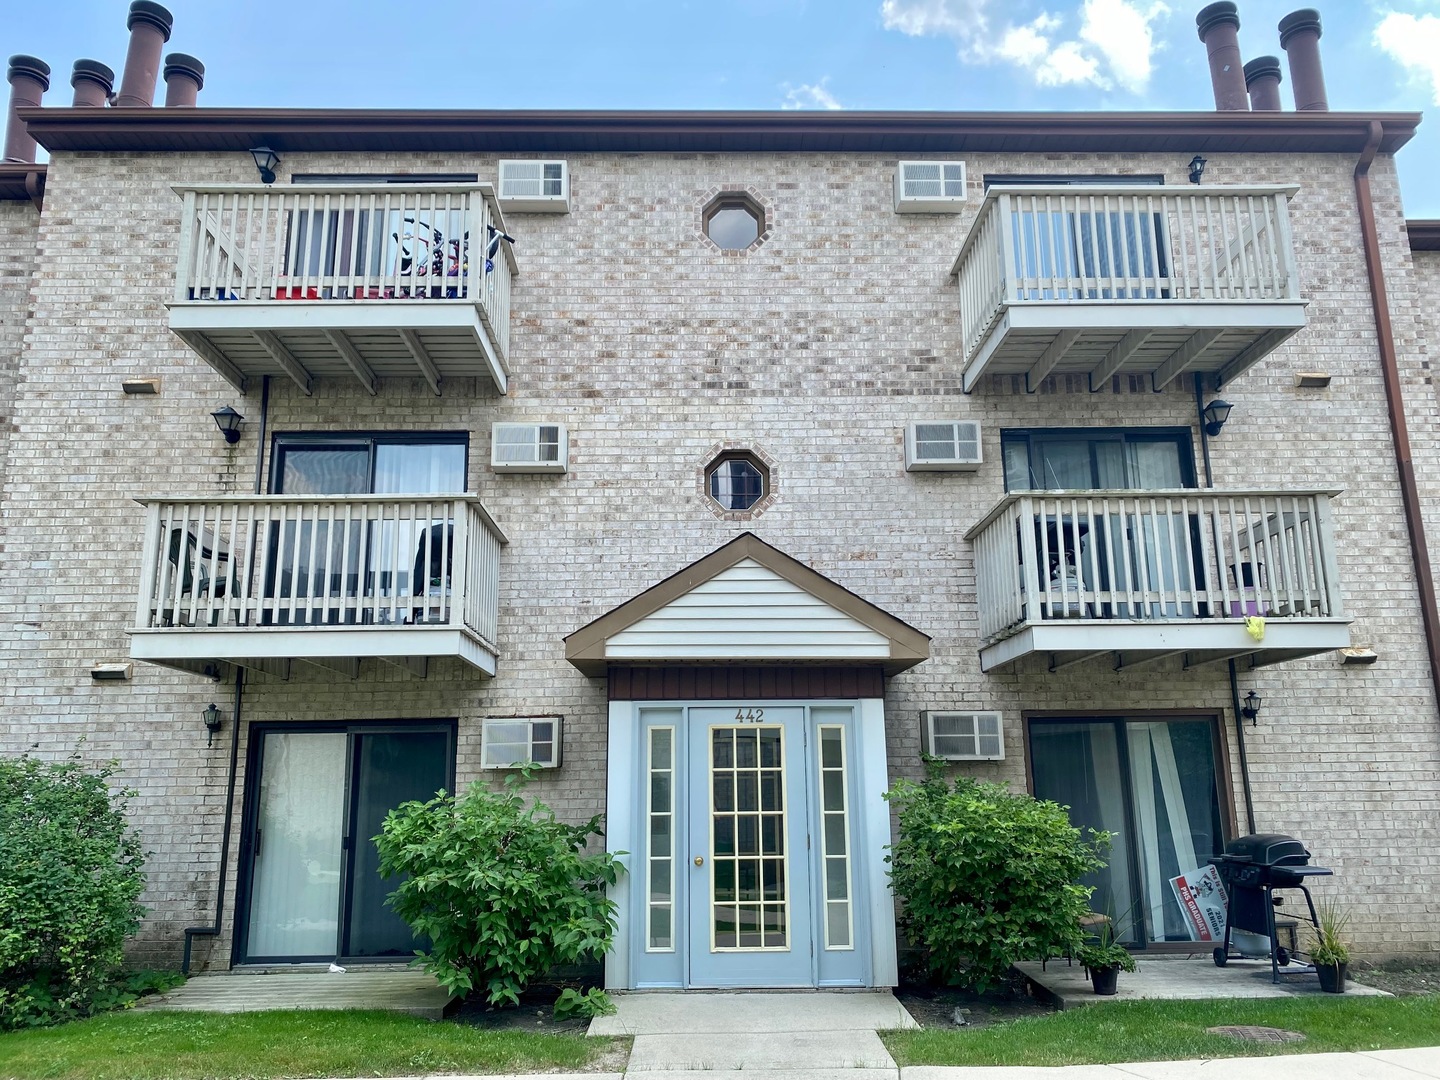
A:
(1250, 1033)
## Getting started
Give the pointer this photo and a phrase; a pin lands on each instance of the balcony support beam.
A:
(1261, 346)
(349, 666)
(286, 359)
(363, 371)
(1184, 357)
(1216, 658)
(216, 359)
(1117, 357)
(422, 360)
(1142, 659)
(1053, 354)
(419, 666)
(1078, 658)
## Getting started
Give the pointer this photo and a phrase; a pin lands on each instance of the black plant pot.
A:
(1332, 977)
(1105, 979)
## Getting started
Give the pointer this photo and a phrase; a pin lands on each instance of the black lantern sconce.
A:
(1251, 709)
(265, 160)
(1197, 168)
(228, 421)
(212, 722)
(1216, 413)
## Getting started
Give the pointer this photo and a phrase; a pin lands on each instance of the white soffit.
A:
(747, 612)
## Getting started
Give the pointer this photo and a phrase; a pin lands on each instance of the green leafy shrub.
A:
(988, 877)
(502, 889)
(71, 874)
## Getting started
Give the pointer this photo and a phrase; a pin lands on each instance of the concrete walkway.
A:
(796, 1035)
(1419, 1064)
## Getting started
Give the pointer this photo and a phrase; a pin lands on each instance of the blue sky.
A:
(754, 54)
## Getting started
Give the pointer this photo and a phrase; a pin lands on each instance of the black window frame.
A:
(1183, 437)
(283, 440)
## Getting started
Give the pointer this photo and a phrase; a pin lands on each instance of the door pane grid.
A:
(749, 885)
(660, 866)
(835, 839)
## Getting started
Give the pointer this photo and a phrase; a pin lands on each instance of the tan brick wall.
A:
(18, 224)
(817, 349)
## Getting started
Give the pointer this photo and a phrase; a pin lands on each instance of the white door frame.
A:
(871, 776)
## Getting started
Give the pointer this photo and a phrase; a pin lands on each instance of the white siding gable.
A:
(747, 613)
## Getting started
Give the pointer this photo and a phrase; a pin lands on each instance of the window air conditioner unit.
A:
(942, 446)
(534, 187)
(964, 736)
(530, 448)
(929, 187)
(508, 742)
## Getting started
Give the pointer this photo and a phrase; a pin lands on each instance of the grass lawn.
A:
(1166, 1030)
(216, 1046)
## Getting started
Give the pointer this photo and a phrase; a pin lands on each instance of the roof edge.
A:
(63, 128)
(22, 181)
(1424, 234)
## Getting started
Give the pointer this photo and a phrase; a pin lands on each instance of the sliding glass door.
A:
(1153, 784)
(310, 870)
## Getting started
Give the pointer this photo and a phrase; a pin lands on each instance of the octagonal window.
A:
(734, 221)
(737, 481)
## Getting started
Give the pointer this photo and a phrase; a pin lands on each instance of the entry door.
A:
(749, 869)
(313, 890)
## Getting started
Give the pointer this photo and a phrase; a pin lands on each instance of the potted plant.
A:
(1331, 952)
(1104, 961)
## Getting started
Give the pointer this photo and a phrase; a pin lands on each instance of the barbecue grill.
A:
(1253, 868)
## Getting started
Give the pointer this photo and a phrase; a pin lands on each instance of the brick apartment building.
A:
(727, 463)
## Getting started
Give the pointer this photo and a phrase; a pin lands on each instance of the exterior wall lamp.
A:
(1197, 168)
(265, 160)
(1250, 710)
(212, 722)
(1216, 413)
(228, 421)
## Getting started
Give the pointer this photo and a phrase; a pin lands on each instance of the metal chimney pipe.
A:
(184, 78)
(93, 82)
(1262, 79)
(1300, 38)
(149, 26)
(29, 79)
(1219, 26)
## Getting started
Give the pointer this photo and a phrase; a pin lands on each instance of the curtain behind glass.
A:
(420, 469)
(295, 894)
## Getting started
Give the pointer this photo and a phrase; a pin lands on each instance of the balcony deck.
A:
(1126, 279)
(345, 281)
(1141, 576)
(266, 582)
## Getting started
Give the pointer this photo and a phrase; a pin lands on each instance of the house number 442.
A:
(749, 716)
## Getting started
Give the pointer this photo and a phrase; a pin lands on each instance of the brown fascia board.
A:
(1424, 234)
(297, 130)
(585, 648)
(22, 181)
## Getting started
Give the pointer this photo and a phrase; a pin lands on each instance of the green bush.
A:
(71, 874)
(502, 889)
(988, 877)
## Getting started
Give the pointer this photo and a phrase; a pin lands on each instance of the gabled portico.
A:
(746, 774)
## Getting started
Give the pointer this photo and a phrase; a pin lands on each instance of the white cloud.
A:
(1413, 41)
(809, 96)
(1112, 46)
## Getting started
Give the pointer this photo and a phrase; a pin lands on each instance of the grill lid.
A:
(1267, 849)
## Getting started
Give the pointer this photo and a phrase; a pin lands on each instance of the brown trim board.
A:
(286, 130)
(585, 648)
(739, 682)
(1424, 234)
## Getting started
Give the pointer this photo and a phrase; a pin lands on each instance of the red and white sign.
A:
(1201, 896)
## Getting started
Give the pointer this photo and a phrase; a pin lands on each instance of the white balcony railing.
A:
(1155, 556)
(1113, 246)
(355, 248)
(259, 564)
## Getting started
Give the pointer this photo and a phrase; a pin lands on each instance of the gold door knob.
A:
(699, 860)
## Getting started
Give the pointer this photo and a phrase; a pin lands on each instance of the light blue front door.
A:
(749, 868)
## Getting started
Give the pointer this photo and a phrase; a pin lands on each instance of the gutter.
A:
(1395, 403)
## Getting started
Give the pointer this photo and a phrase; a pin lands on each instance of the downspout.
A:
(1394, 400)
(1234, 679)
(213, 930)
